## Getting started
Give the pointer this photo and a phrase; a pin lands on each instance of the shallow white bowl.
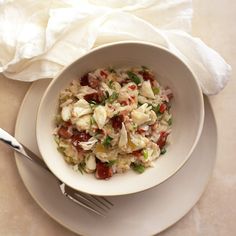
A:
(187, 109)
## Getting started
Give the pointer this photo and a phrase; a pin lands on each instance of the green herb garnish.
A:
(81, 167)
(58, 119)
(155, 90)
(139, 104)
(134, 77)
(111, 70)
(169, 122)
(156, 109)
(163, 151)
(145, 154)
(107, 141)
(92, 121)
(110, 83)
(138, 168)
(113, 97)
(107, 94)
(61, 150)
(110, 163)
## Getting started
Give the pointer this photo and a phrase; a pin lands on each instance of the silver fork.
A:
(96, 204)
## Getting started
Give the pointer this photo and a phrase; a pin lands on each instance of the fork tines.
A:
(97, 204)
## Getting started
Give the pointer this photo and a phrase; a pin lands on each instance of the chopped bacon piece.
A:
(79, 136)
(92, 97)
(96, 97)
(146, 75)
(89, 81)
(103, 73)
(64, 132)
(117, 121)
(161, 142)
(103, 171)
(84, 80)
(93, 82)
(67, 124)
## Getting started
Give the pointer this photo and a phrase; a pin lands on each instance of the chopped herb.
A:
(58, 119)
(156, 109)
(144, 68)
(61, 149)
(110, 83)
(110, 163)
(145, 154)
(111, 70)
(92, 121)
(155, 90)
(107, 94)
(57, 139)
(113, 97)
(134, 126)
(107, 142)
(138, 168)
(134, 77)
(163, 151)
(169, 121)
(103, 102)
(81, 167)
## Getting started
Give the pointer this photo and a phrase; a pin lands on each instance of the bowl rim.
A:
(126, 42)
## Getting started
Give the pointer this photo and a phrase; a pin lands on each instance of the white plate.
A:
(145, 213)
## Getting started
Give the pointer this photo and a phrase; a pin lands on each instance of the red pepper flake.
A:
(103, 171)
(137, 153)
(163, 107)
(116, 121)
(161, 142)
(132, 87)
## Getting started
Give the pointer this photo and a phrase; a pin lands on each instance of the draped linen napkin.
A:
(38, 38)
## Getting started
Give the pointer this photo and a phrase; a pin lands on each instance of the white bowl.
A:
(187, 109)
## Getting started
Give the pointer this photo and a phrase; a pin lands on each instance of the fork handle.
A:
(8, 139)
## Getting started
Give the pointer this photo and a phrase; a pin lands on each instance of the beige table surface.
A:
(215, 213)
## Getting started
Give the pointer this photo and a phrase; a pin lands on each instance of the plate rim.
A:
(83, 233)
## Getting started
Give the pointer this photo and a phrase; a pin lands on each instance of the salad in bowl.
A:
(112, 120)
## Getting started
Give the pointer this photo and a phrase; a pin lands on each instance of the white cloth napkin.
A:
(39, 37)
